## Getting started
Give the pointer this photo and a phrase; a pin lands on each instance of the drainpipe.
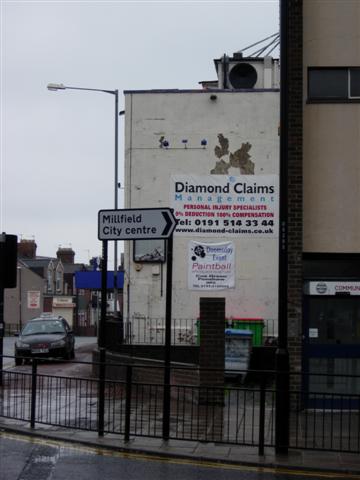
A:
(282, 354)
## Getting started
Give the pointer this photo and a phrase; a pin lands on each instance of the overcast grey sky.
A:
(57, 148)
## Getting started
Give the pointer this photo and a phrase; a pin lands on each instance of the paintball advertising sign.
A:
(226, 206)
(211, 266)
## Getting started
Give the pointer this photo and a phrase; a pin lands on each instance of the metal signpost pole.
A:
(116, 186)
(167, 348)
(101, 339)
(101, 333)
(140, 224)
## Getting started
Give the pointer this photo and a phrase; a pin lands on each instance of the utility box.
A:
(113, 332)
(238, 344)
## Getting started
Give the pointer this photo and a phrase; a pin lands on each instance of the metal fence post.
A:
(33, 393)
(282, 402)
(128, 402)
(262, 415)
(102, 355)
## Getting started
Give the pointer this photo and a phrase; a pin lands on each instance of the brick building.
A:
(323, 160)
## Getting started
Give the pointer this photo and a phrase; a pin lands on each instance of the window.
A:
(334, 84)
(50, 274)
(82, 320)
(355, 82)
(58, 281)
(149, 251)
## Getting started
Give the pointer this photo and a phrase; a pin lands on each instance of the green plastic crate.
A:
(256, 325)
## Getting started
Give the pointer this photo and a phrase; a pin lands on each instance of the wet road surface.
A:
(83, 353)
(29, 458)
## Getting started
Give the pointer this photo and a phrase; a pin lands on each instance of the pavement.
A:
(296, 460)
(301, 460)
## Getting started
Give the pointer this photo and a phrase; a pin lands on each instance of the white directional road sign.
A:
(136, 224)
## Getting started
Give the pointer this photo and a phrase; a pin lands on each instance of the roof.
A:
(73, 267)
(204, 91)
(37, 262)
(22, 264)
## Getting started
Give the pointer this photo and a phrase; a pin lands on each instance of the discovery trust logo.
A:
(199, 251)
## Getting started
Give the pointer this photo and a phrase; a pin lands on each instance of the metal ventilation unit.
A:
(258, 70)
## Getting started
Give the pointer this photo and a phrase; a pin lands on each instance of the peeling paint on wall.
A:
(238, 159)
(223, 149)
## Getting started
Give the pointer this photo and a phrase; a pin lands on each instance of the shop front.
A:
(331, 343)
(64, 307)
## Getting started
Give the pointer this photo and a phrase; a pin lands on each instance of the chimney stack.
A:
(66, 255)
(27, 249)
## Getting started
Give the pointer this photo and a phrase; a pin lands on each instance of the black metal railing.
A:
(322, 419)
(11, 328)
(133, 405)
(151, 331)
(187, 331)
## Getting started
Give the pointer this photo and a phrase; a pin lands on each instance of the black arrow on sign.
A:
(169, 223)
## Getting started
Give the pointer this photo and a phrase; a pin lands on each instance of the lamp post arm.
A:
(113, 92)
(60, 86)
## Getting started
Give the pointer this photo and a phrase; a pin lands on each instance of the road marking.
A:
(106, 452)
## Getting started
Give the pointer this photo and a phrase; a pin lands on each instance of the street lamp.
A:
(60, 86)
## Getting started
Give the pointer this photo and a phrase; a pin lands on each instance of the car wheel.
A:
(18, 361)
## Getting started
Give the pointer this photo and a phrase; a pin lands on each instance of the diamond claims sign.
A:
(225, 206)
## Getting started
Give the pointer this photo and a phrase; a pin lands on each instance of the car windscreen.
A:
(43, 327)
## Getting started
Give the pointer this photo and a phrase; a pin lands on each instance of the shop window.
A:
(334, 84)
(149, 251)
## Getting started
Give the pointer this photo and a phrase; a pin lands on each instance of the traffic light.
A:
(8, 260)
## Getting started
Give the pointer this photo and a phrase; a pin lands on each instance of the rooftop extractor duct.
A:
(254, 71)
